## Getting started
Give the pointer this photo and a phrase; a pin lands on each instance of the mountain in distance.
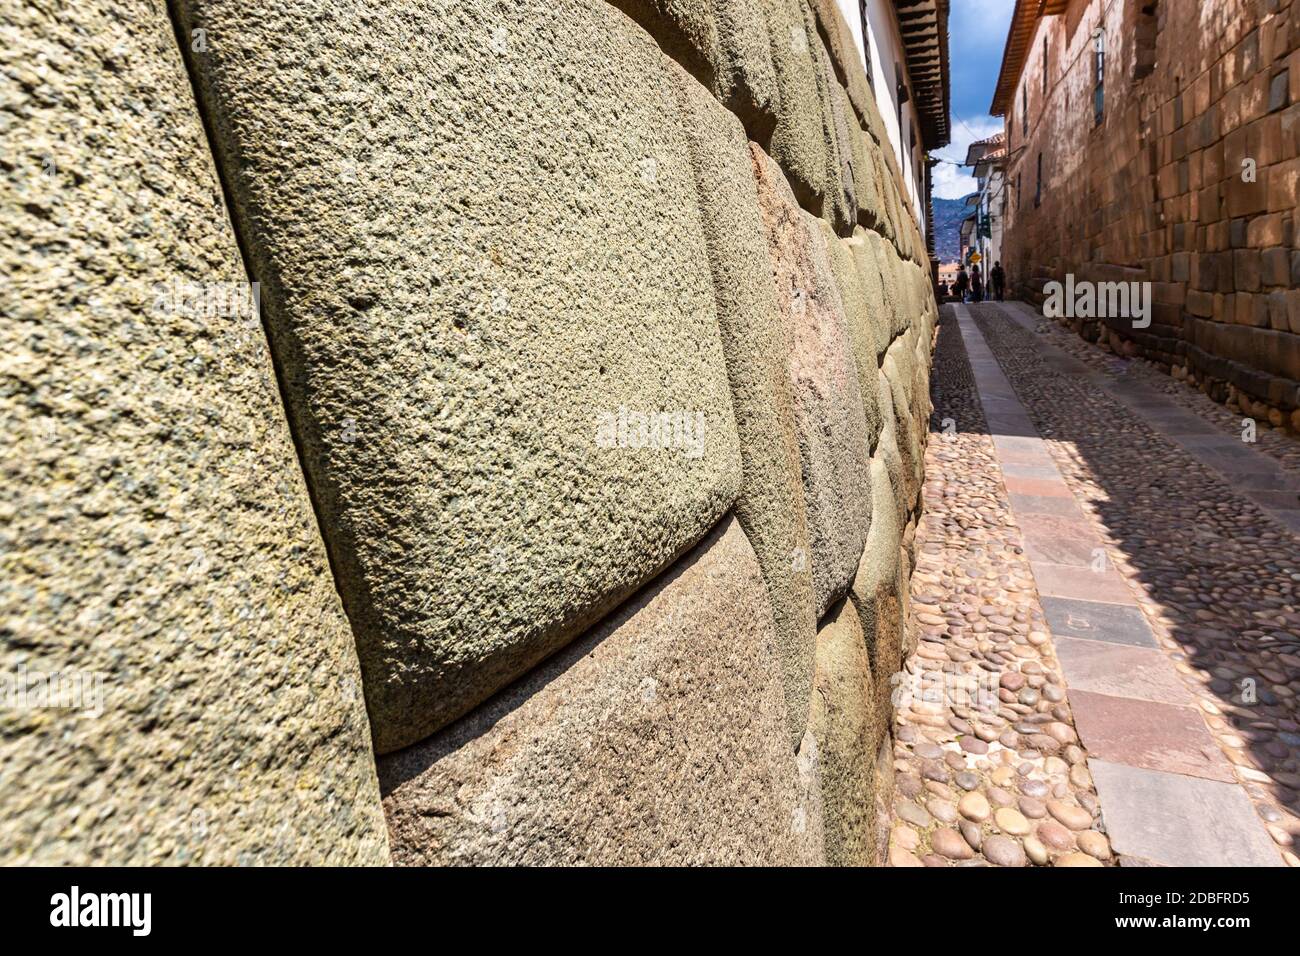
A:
(948, 216)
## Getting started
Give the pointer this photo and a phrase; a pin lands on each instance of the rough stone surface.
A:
(849, 727)
(489, 247)
(831, 424)
(844, 57)
(724, 44)
(798, 142)
(686, 678)
(757, 341)
(504, 196)
(158, 549)
(840, 209)
(863, 321)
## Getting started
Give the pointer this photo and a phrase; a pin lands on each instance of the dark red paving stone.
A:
(1168, 819)
(1098, 621)
(1083, 584)
(1121, 671)
(1045, 505)
(1045, 487)
(1143, 733)
(1058, 540)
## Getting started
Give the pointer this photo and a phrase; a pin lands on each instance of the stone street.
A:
(1105, 607)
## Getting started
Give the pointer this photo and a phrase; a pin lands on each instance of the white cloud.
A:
(951, 181)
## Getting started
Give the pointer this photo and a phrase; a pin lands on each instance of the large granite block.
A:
(757, 340)
(185, 684)
(899, 367)
(488, 290)
(830, 422)
(840, 208)
(798, 142)
(657, 739)
(849, 728)
(862, 319)
(849, 68)
(880, 587)
(885, 257)
(724, 44)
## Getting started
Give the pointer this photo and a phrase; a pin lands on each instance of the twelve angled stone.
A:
(489, 293)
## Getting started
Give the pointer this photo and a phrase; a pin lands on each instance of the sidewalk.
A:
(1160, 558)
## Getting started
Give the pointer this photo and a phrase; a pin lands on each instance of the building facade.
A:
(987, 159)
(1156, 141)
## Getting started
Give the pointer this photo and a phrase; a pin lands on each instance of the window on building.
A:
(1038, 186)
(1143, 15)
(1099, 76)
(900, 94)
(1044, 65)
(1024, 111)
(866, 42)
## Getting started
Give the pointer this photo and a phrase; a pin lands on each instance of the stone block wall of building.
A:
(1189, 183)
(556, 506)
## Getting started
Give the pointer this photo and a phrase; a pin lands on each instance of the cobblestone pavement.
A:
(1215, 577)
(1227, 421)
(1136, 614)
(988, 766)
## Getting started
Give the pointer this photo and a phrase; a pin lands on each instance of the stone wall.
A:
(1161, 191)
(582, 431)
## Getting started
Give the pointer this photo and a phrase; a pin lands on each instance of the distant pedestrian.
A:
(961, 284)
(999, 280)
(976, 284)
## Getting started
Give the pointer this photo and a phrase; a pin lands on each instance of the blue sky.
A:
(977, 33)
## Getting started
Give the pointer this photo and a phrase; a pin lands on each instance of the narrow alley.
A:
(651, 433)
(1101, 541)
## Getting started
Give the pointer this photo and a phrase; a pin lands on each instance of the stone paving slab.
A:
(1173, 820)
(1098, 621)
(1143, 673)
(1059, 540)
(1144, 733)
(1058, 505)
(1066, 581)
(1046, 471)
(1043, 487)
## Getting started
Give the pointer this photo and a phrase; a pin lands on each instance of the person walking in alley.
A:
(999, 279)
(976, 284)
(961, 284)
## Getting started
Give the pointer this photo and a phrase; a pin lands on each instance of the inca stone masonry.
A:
(360, 581)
